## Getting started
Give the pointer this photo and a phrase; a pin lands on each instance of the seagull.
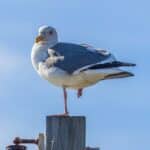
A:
(74, 66)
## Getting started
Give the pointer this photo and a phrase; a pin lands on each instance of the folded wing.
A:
(79, 57)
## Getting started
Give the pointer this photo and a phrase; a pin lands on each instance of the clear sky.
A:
(117, 111)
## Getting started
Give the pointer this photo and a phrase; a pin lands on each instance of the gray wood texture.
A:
(41, 143)
(65, 133)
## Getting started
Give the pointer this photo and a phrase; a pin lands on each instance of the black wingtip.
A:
(123, 74)
(133, 65)
(130, 74)
(126, 64)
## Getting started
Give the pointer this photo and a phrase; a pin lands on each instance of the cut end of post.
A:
(64, 116)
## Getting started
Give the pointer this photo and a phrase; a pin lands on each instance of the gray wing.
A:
(78, 56)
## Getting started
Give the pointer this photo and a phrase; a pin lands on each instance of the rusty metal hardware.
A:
(19, 140)
(19, 143)
(16, 147)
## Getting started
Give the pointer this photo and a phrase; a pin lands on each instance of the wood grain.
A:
(65, 133)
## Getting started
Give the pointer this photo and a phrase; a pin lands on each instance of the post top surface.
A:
(67, 117)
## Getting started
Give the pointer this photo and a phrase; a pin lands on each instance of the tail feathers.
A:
(122, 74)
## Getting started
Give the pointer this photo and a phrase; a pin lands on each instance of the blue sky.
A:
(117, 111)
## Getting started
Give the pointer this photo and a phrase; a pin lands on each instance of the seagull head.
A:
(47, 34)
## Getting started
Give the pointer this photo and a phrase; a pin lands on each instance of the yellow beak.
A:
(39, 39)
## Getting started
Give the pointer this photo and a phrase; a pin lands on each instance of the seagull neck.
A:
(48, 43)
(52, 43)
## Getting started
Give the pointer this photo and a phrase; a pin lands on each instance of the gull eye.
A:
(50, 32)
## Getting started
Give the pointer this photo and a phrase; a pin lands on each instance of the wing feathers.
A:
(110, 65)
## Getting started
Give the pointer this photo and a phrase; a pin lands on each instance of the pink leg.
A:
(65, 101)
(79, 93)
(66, 113)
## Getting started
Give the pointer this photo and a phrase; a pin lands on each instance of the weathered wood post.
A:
(65, 133)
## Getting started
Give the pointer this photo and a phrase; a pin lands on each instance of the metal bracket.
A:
(40, 141)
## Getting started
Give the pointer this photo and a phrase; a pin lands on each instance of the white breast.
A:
(38, 54)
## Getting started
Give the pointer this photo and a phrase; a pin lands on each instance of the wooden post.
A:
(41, 143)
(65, 133)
